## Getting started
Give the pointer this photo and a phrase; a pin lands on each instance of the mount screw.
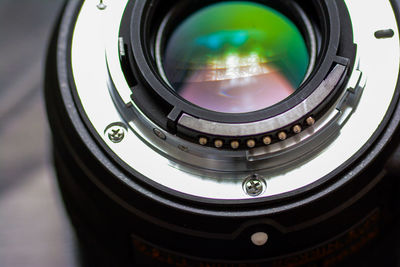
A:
(115, 132)
(101, 5)
(254, 185)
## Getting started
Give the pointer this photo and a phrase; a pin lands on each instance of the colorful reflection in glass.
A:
(236, 57)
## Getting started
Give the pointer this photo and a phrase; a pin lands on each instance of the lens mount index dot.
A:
(259, 239)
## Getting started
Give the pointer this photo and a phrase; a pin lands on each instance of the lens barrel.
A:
(151, 178)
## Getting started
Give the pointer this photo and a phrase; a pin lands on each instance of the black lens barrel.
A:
(122, 221)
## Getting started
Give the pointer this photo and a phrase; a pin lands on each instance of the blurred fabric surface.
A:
(34, 230)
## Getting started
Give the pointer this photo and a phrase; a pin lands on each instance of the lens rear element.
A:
(235, 57)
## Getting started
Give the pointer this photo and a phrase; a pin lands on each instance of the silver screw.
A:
(101, 5)
(254, 185)
(115, 132)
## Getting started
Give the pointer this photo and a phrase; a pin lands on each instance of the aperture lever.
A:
(348, 105)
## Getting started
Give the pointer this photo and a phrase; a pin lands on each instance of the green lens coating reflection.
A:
(236, 57)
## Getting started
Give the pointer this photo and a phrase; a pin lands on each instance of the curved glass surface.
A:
(236, 57)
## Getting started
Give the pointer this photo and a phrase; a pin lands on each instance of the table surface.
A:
(34, 230)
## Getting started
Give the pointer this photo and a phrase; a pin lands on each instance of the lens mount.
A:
(180, 159)
(334, 62)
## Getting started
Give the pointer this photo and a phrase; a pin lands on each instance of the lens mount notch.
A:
(158, 102)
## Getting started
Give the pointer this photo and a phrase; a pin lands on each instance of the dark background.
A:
(34, 230)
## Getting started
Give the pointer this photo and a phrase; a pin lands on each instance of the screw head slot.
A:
(254, 185)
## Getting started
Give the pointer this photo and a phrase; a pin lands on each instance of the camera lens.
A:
(227, 133)
(235, 57)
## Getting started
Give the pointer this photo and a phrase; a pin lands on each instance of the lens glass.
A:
(235, 57)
